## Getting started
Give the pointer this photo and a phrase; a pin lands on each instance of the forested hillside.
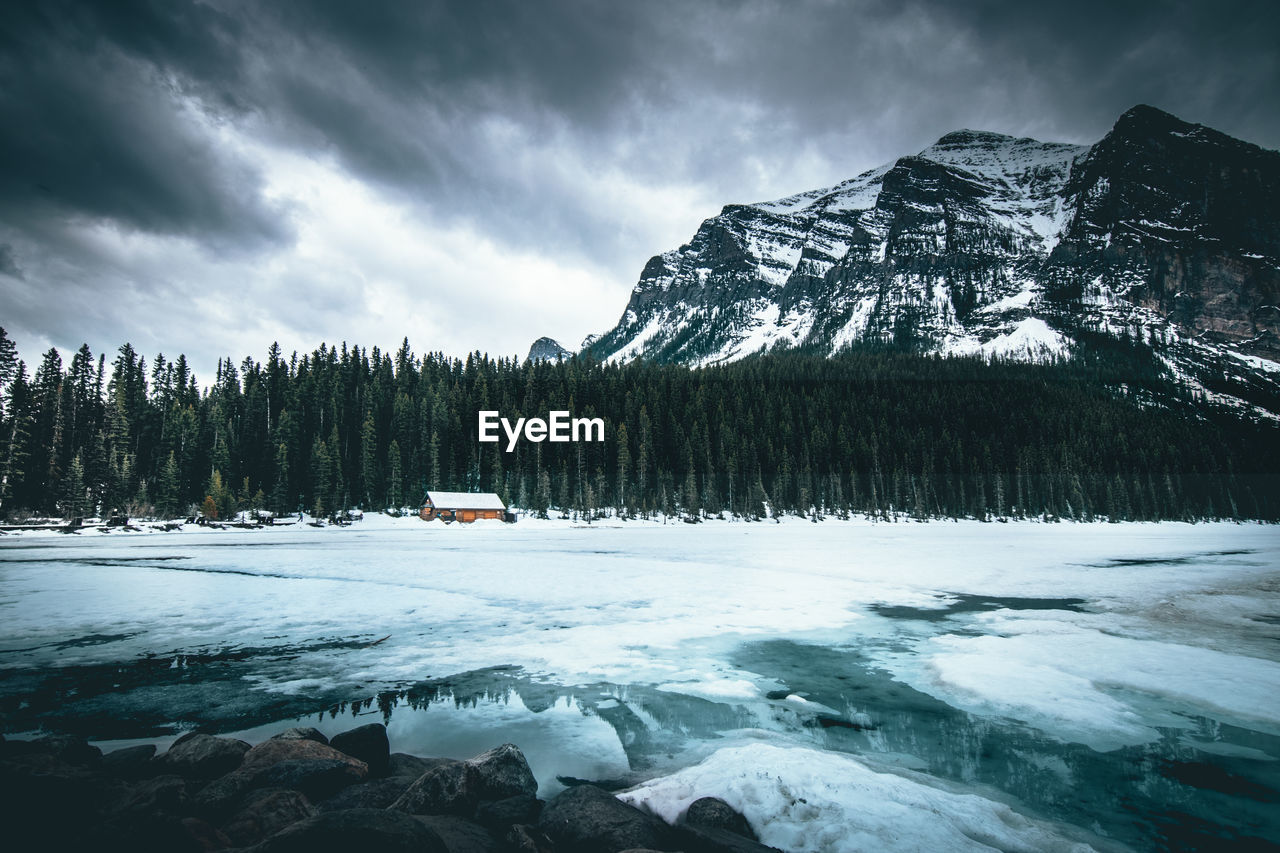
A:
(870, 431)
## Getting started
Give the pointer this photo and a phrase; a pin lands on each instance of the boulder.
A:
(201, 756)
(587, 819)
(449, 788)
(503, 772)
(461, 835)
(355, 829)
(183, 738)
(367, 743)
(141, 832)
(374, 794)
(285, 749)
(522, 838)
(265, 813)
(302, 733)
(132, 762)
(205, 834)
(42, 781)
(317, 778)
(71, 749)
(715, 813)
(47, 802)
(166, 793)
(403, 764)
(221, 795)
(15, 748)
(501, 814)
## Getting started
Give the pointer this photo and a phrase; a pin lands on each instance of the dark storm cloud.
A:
(97, 129)
(706, 92)
(1211, 62)
(440, 101)
(399, 92)
(524, 119)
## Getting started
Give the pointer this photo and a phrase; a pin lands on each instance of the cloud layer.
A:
(209, 177)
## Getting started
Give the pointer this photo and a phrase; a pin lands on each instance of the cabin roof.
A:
(465, 500)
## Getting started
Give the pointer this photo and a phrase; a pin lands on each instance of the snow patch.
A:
(806, 801)
(1061, 676)
(1030, 338)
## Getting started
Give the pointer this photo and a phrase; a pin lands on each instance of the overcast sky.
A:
(210, 177)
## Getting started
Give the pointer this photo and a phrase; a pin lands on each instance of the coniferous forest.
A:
(874, 431)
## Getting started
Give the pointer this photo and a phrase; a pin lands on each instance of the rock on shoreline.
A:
(301, 792)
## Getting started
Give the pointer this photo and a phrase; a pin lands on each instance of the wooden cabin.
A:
(465, 507)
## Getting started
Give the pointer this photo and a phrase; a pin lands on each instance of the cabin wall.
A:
(466, 516)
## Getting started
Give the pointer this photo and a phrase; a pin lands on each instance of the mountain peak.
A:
(1143, 124)
(966, 138)
(989, 244)
(547, 349)
(1145, 120)
(1146, 113)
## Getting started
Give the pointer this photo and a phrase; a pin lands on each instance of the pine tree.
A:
(394, 498)
(167, 488)
(321, 479)
(8, 361)
(623, 471)
(563, 496)
(642, 461)
(368, 461)
(542, 495)
(75, 502)
(689, 497)
(280, 495)
(15, 433)
(223, 498)
(497, 478)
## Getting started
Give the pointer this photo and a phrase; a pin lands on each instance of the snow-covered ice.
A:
(800, 799)
(1010, 660)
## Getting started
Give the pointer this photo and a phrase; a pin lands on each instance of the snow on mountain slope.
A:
(1163, 232)
(747, 279)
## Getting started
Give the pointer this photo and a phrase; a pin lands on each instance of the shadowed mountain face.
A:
(1180, 220)
(1164, 234)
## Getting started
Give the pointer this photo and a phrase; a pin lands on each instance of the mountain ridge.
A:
(982, 243)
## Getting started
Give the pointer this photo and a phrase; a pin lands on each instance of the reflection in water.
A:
(143, 697)
(611, 735)
(1206, 786)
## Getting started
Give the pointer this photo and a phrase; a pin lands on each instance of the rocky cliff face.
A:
(1163, 232)
(1180, 220)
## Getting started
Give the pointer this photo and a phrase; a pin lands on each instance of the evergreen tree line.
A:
(877, 431)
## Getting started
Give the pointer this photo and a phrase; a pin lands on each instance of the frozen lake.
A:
(1019, 686)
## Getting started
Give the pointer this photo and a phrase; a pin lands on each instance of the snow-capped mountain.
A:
(547, 349)
(1163, 232)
